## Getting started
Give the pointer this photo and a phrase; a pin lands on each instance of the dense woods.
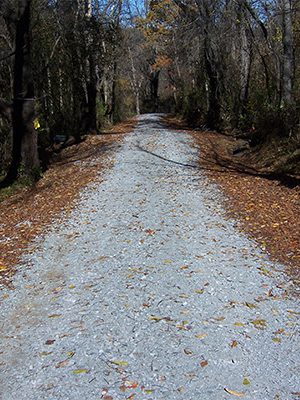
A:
(69, 67)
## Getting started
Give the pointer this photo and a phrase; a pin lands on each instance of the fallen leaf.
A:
(250, 305)
(234, 343)
(80, 371)
(150, 232)
(239, 324)
(199, 291)
(45, 353)
(293, 312)
(183, 296)
(120, 363)
(246, 381)
(70, 353)
(259, 323)
(201, 336)
(276, 339)
(63, 363)
(3, 268)
(54, 316)
(188, 352)
(131, 384)
(203, 363)
(265, 271)
(49, 342)
(221, 318)
(234, 392)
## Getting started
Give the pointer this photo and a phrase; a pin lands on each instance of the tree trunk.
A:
(92, 90)
(24, 149)
(135, 84)
(214, 104)
(154, 82)
(92, 96)
(287, 39)
(245, 67)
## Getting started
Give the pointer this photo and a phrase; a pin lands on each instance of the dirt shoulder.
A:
(266, 210)
(30, 211)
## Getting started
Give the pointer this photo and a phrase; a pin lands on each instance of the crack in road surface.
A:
(148, 291)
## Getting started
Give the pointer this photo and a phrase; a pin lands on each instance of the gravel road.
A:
(148, 291)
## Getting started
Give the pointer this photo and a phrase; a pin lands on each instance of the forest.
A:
(70, 67)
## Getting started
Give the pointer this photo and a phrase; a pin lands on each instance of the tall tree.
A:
(25, 150)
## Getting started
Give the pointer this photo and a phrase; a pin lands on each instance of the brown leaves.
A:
(49, 342)
(150, 232)
(63, 363)
(204, 363)
(26, 213)
(127, 385)
(268, 211)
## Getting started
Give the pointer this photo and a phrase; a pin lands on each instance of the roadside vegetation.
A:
(68, 68)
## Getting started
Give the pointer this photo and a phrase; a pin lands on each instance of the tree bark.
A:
(288, 61)
(25, 149)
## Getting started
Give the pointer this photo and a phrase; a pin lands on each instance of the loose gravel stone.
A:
(148, 291)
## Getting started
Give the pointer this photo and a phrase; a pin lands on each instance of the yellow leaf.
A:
(3, 268)
(201, 336)
(154, 318)
(246, 381)
(36, 124)
(221, 318)
(120, 363)
(259, 323)
(71, 286)
(239, 324)
(250, 305)
(80, 371)
(70, 353)
(148, 391)
(276, 340)
(264, 271)
(234, 393)
(183, 296)
(45, 353)
(199, 291)
(168, 261)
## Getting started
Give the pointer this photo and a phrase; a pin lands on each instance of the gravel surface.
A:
(147, 291)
